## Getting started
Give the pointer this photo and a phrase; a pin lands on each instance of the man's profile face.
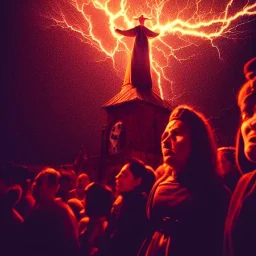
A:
(248, 127)
(125, 180)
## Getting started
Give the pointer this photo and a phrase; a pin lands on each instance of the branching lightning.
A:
(188, 24)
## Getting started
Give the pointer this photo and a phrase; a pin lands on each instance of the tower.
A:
(136, 116)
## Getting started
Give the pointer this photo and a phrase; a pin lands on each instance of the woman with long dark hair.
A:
(187, 205)
(128, 224)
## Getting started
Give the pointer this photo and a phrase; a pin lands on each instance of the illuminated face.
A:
(42, 190)
(176, 144)
(125, 181)
(82, 181)
(248, 128)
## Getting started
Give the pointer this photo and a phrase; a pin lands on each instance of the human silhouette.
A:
(188, 203)
(239, 233)
(138, 69)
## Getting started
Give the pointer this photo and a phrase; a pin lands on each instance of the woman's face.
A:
(248, 128)
(176, 144)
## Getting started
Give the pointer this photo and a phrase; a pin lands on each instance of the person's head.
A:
(131, 176)
(176, 144)
(6, 177)
(67, 182)
(11, 174)
(246, 137)
(228, 167)
(46, 185)
(13, 195)
(226, 159)
(99, 199)
(82, 181)
(188, 144)
(141, 19)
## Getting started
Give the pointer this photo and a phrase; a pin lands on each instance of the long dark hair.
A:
(140, 170)
(201, 168)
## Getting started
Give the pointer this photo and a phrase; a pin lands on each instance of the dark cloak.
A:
(138, 69)
(240, 237)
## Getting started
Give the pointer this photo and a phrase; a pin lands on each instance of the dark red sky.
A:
(52, 90)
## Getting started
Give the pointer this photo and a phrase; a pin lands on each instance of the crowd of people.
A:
(201, 201)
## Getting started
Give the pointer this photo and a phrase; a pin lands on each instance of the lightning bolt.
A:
(188, 23)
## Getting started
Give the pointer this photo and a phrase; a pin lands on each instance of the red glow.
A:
(182, 25)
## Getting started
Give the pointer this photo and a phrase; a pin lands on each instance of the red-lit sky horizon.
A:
(54, 87)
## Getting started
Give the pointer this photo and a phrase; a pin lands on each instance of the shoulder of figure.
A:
(246, 179)
(64, 208)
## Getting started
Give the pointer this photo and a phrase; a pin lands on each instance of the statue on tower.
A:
(138, 69)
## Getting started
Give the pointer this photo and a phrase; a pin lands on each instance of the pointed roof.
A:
(128, 93)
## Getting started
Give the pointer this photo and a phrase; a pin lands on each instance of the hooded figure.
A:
(138, 69)
(240, 237)
(187, 205)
